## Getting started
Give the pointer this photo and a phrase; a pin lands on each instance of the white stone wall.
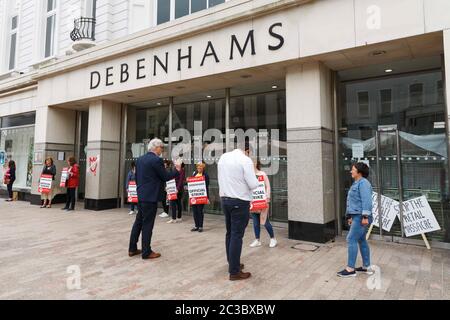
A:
(112, 23)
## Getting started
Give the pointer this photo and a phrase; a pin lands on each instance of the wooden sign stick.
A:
(369, 232)
(424, 237)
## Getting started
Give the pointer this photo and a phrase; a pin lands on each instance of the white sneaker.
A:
(255, 244)
(179, 220)
(273, 243)
(131, 212)
(172, 221)
(163, 215)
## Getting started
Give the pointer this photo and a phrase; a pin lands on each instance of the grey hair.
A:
(155, 143)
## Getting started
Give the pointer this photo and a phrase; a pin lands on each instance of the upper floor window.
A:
(50, 28)
(386, 101)
(13, 26)
(363, 104)
(173, 9)
(90, 8)
(440, 92)
(416, 95)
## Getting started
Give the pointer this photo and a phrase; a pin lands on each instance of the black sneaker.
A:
(365, 270)
(346, 274)
(200, 229)
(194, 229)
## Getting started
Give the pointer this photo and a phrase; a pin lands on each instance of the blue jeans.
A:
(355, 237)
(237, 214)
(257, 226)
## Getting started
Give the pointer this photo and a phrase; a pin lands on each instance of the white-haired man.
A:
(150, 179)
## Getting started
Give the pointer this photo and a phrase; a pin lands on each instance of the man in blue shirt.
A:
(150, 179)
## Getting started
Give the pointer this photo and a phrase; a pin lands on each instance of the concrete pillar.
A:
(310, 153)
(54, 133)
(102, 187)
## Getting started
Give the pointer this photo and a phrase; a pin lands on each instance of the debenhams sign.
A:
(148, 65)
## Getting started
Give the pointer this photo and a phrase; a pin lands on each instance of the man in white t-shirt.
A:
(237, 180)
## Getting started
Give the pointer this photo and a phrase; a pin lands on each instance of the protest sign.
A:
(197, 190)
(259, 201)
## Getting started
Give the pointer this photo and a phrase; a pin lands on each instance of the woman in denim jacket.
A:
(359, 217)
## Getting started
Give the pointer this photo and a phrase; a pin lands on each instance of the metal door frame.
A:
(380, 175)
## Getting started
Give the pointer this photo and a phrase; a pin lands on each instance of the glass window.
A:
(266, 113)
(181, 8)
(197, 5)
(207, 114)
(440, 92)
(416, 95)
(13, 43)
(215, 2)
(50, 25)
(49, 34)
(423, 146)
(18, 145)
(14, 22)
(163, 11)
(51, 4)
(386, 100)
(12, 51)
(363, 104)
(18, 120)
(91, 8)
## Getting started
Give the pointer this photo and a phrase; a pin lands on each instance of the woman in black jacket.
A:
(198, 208)
(9, 178)
(49, 169)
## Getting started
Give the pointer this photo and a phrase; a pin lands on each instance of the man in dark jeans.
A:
(237, 180)
(150, 174)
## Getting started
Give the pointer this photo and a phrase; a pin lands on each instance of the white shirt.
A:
(237, 177)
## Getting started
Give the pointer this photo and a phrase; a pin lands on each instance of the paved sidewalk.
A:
(38, 245)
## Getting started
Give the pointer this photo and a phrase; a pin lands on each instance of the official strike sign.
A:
(64, 177)
(418, 218)
(259, 201)
(197, 190)
(171, 189)
(45, 183)
(132, 192)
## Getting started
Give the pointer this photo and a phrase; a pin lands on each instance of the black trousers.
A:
(145, 220)
(198, 215)
(237, 214)
(164, 203)
(70, 201)
(9, 186)
(176, 206)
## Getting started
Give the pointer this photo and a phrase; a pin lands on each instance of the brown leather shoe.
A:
(240, 276)
(153, 255)
(135, 253)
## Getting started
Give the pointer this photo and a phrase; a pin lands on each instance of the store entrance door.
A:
(80, 149)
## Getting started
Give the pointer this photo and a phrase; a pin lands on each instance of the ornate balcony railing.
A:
(84, 29)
